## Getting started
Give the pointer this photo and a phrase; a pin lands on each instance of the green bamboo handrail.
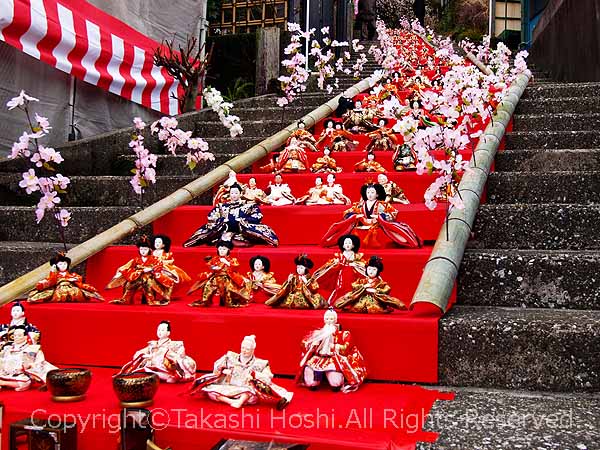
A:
(78, 254)
(441, 270)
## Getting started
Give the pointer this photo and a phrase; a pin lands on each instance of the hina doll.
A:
(368, 164)
(162, 251)
(260, 281)
(62, 286)
(357, 120)
(164, 357)
(404, 158)
(143, 274)
(252, 193)
(373, 221)
(300, 290)
(370, 294)
(334, 193)
(325, 163)
(222, 195)
(279, 193)
(326, 136)
(292, 159)
(221, 281)
(240, 379)
(382, 139)
(342, 140)
(329, 353)
(21, 362)
(315, 196)
(338, 274)
(17, 313)
(393, 192)
(237, 221)
(303, 138)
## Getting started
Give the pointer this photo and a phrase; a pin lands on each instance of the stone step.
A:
(545, 187)
(561, 90)
(508, 419)
(530, 279)
(18, 258)
(171, 165)
(537, 226)
(546, 160)
(265, 128)
(17, 223)
(578, 105)
(100, 191)
(557, 122)
(552, 139)
(520, 348)
(271, 102)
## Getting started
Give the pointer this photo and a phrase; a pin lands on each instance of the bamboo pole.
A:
(441, 270)
(78, 254)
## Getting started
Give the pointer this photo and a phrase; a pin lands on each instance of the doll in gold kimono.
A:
(368, 164)
(63, 286)
(404, 158)
(357, 120)
(18, 318)
(370, 294)
(373, 220)
(315, 196)
(22, 363)
(393, 192)
(252, 193)
(292, 158)
(303, 138)
(329, 353)
(325, 163)
(240, 379)
(222, 195)
(339, 273)
(382, 139)
(222, 281)
(164, 357)
(162, 250)
(300, 290)
(342, 140)
(260, 281)
(143, 274)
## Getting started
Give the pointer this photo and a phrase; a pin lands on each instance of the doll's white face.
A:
(258, 265)
(232, 174)
(222, 250)
(247, 349)
(62, 266)
(329, 124)
(382, 178)
(330, 178)
(348, 244)
(318, 181)
(19, 336)
(415, 105)
(300, 270)
(371, 193)
(162, 331)
(327, 152)
(301, 125)
(330, 318)
(371, 156)
(158, 244)
(381, 123)
(371, 271)
(252, 182)
(144, 251)
(278, 179)
(17, 312)
(338, 126)
(358, 104)
(234, 194)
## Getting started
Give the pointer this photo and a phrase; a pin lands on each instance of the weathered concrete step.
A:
(537, 226)
(518, 348)
(561, 90)
(17, 223)
(557, 122)
(544, 160)
(579, 105)
(262, 128)
(101, 191)
(506, 419)
(552, 139)
(19, 258)
(271, 102)
(544, 187)
(171, 165)
(289, 114)
(530, 278)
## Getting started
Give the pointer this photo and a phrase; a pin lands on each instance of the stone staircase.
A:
(520, 349)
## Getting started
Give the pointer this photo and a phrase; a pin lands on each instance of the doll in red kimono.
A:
(144, 274)
(329, 353)
(162, 250)
(63, 286)
(222, 281)
(373, 220)
(382, 139)
(260, 281)
(370, 294)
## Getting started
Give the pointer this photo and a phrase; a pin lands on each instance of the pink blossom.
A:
(138, 123)
(43, 123)
(29, 182)
(60, 181)
(21, 100)
(63, 217)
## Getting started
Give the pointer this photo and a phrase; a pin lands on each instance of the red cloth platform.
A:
(377, 416)
(310, 223)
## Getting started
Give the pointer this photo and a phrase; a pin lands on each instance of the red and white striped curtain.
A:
(80, 39)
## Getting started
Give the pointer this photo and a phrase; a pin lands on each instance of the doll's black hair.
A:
(266, 262)
(355, 242)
